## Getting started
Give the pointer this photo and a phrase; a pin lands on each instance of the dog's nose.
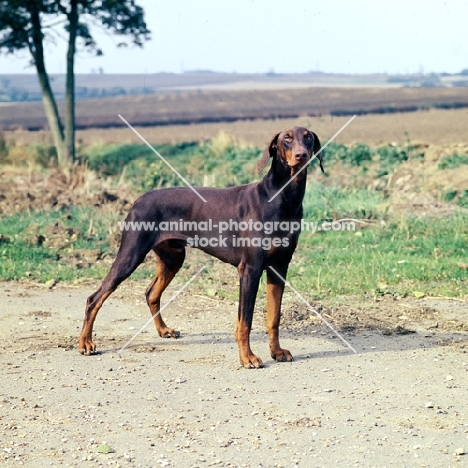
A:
(300, 155)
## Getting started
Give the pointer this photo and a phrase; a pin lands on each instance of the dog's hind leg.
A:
(127, 260)
(170, 257)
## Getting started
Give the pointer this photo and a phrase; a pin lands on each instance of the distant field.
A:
(439, 127)
(25, 86)
(230, 106)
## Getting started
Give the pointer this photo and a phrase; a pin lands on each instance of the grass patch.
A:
(398, 258)
(322, 202)
(41, 245)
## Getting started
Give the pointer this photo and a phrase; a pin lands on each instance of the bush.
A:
(41, 154)
(459, 197)
(463, 199)
(110, 160)
(349, 156)
(3, 148)
(359, 154)
(390, 157)
(44, 155)
(453, 161)
(450, 195)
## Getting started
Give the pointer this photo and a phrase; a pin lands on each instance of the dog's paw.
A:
(86, 346)
(281, 355)
(167, 332)
(251, 362)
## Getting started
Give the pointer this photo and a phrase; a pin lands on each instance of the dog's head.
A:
(295, 147)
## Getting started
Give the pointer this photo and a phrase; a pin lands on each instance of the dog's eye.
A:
(288, 138)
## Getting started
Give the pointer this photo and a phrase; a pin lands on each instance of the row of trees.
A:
(29, 24)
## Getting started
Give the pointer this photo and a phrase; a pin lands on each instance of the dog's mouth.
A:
(295, 165)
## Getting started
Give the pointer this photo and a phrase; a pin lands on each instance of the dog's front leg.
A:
(249, 278)
(274, 294)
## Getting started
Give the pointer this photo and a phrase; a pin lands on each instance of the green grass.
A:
(21, 256)
(328, 203)
(385, 256)
(398, 258)
(395, 257)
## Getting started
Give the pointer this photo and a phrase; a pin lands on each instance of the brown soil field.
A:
(435, 126)
(229, 106)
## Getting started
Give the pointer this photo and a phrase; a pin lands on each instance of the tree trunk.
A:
(70, 86)
(50, 106)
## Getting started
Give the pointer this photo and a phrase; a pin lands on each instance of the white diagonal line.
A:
(161, 309)
(314, 311)
(162, 158)
(311, 159)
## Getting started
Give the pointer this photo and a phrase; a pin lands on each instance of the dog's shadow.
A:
(365, 342)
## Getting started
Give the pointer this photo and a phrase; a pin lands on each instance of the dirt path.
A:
(401, 401)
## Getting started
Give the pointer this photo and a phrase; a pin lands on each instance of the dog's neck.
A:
(279, 175)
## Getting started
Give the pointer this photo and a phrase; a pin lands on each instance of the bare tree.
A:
(28, 24)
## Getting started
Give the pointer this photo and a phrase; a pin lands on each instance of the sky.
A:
(282, 36)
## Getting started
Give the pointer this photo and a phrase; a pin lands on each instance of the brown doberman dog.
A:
(243, 225)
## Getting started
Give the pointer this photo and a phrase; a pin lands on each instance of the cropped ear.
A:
(270, 151)
(317, 152)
